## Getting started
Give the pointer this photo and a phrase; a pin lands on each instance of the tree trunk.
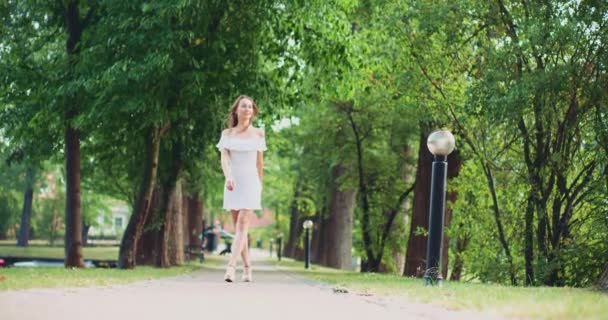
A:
(397, 254)
(54, 227)
(317, 237)
(340, 223)
(529, 241)
(171, 249)
(372, 260)
(195, 220)
(73, 231)
(85, 234)
(166, 241)
(26, 214)
(146, 245)
(603, 283)
(128, 246)
(185, 205)
(163, 235)
(454, 166)
(416, 247)
(318, 243)
(73, 219)
(176, 234)
(295, 225)
(461, 246)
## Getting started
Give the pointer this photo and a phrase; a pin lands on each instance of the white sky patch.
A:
(283, 123)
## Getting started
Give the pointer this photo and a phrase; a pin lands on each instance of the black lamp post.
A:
(441, 144)
(279, 245)
(307, 226)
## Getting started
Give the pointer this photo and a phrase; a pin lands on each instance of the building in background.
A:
(111, 228)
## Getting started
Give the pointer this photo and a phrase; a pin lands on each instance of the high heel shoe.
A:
(229, 276)
(247, 276)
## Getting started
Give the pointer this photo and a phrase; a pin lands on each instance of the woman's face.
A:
(245, 110)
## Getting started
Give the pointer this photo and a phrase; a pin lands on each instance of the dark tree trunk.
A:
(603, 283)
(166, 242)
(85, 234)
(165, 216)
(318, 243)
(176, 237)
(73, 232)
(371, 265)
(340, 223)
(54, 227)
(295, 225)
(73, 219)
(185, 205)
(26, 214)
(529, 241)
(372, 260)
(416, 247)
(454, 166)
(134, 230)
(195, 220)
(146, 245)
(461, 246)
(317, 234)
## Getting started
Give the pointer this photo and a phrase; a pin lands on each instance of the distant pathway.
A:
(274, 294)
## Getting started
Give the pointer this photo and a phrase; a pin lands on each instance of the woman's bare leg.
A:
(245, 251)
(240, 239)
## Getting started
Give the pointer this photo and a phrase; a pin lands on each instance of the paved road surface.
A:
(274, 294)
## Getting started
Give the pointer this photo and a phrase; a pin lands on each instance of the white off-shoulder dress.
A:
(247, 193)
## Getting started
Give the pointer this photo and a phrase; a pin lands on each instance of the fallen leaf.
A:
(340, 290)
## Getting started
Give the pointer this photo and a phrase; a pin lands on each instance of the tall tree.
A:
(48, 21)
(603, 283)
(341, 221)
(26, 214)
(195, 222)
(75, 24)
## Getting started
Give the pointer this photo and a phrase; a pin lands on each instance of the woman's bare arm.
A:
(260, 165)
(260, 159)
(227, 167)
(225, 159)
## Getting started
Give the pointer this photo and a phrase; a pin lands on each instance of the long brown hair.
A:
(233, 119)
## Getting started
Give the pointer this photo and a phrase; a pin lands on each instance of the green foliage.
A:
(9, 211)
(522, 86)
(473, 220)
(525, 102)
(48, 209)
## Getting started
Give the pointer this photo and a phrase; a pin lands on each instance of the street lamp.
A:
(279, 245)
(441, 144)
(307, 226)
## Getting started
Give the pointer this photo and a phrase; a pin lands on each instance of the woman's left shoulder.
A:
(260, 132)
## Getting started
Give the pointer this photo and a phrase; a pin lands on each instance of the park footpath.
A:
(274, 294)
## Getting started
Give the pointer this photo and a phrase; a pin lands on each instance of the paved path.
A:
(274, 294)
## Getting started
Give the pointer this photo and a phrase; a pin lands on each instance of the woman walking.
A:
(242, 147)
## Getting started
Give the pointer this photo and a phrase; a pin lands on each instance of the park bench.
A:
(193, 251)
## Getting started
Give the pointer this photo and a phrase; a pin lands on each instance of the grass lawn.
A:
(517, 302)
(100, 253)
(42, 277)
(26, 278)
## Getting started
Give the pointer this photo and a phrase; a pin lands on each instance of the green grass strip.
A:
(517, 302)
